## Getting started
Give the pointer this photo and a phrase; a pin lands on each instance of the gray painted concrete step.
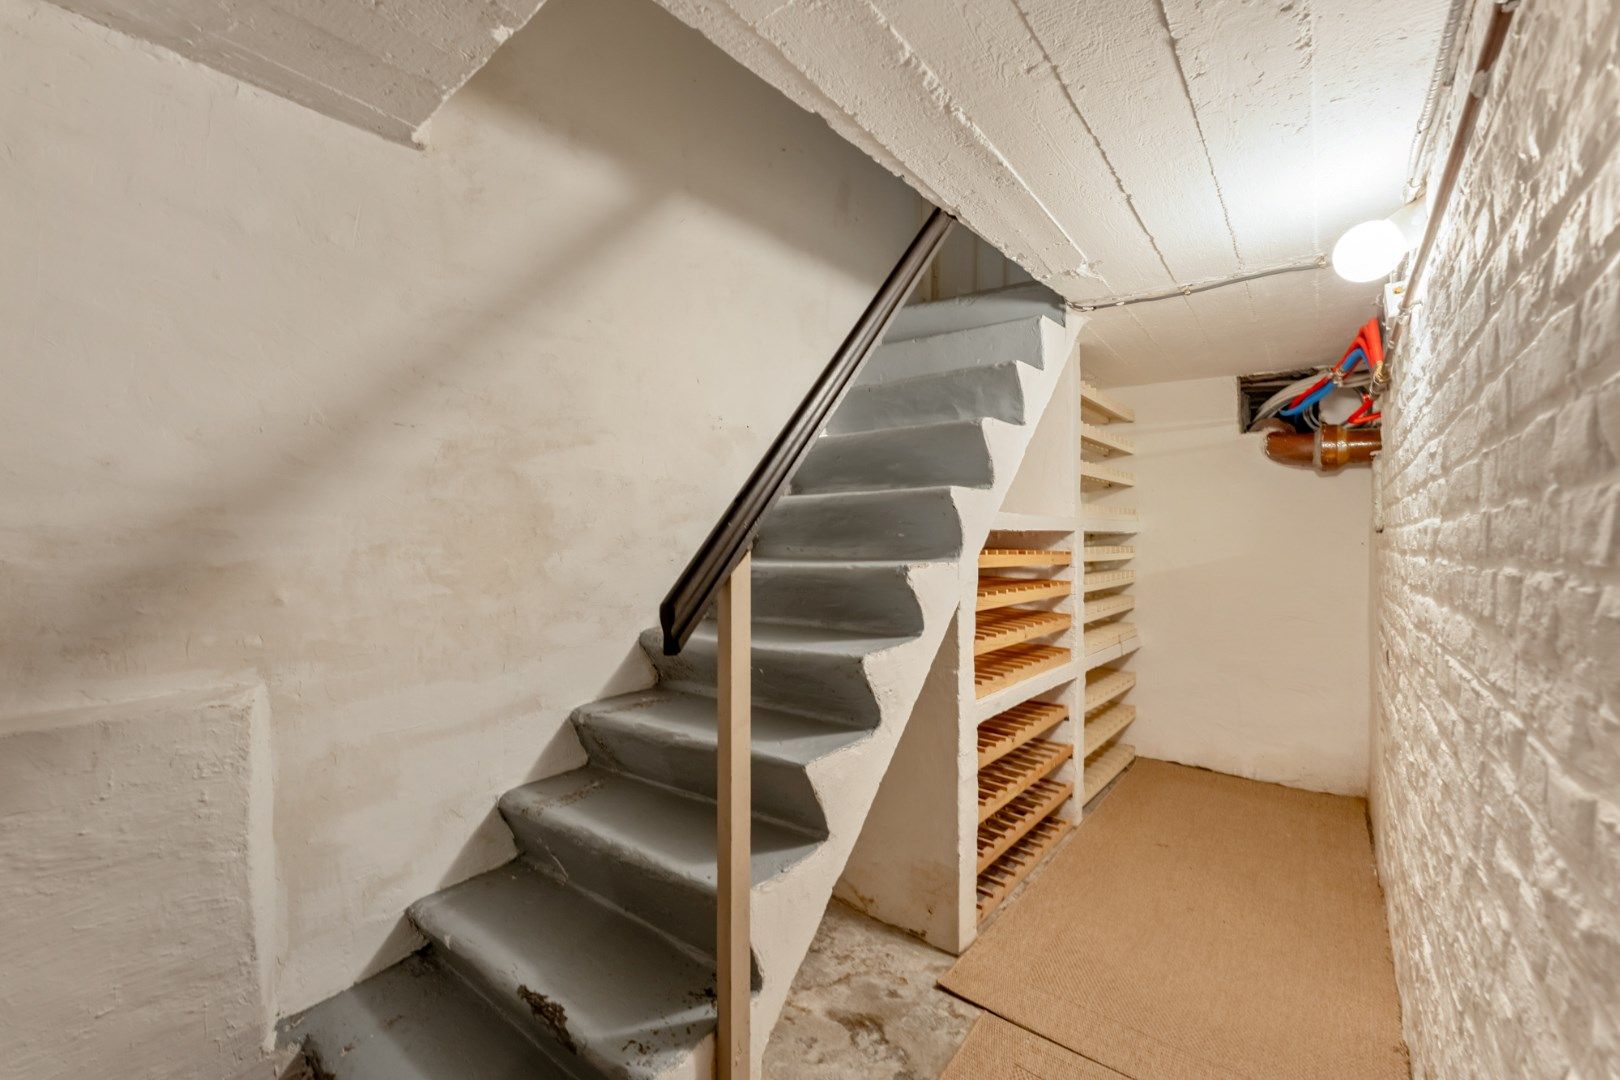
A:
(955, 351)
(606, 995)
(416, 1021)
(669, 738)
(812, 670)
(911, 523)
(980, 309)
(952, 452)
(994, 392)
(876, 597)
(645, 849)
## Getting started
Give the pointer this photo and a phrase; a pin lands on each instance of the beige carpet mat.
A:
(1199, 925)
(997, 1050)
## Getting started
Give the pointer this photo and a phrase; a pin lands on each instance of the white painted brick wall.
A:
(1496, 758)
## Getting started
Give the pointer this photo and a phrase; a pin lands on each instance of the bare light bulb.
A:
(1369, 251)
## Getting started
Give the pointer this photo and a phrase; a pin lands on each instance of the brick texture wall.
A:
(1496, 744)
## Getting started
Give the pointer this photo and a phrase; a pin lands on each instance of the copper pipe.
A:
(1329, 450)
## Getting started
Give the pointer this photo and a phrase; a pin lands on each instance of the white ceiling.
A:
(385, 67)
(1129, 147)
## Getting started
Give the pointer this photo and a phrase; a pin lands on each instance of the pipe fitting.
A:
(1330, 449)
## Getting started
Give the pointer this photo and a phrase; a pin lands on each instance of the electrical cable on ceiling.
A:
(1316, 262)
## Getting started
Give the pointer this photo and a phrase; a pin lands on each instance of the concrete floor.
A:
(864, 1005)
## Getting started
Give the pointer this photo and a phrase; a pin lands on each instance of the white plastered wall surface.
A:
(417, 439)
(1496, 757)
(1251, 586)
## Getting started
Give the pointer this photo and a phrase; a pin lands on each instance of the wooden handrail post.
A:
(734, 800)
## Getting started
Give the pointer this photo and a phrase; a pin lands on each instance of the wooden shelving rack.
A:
(1027, 604)
(1108, 524)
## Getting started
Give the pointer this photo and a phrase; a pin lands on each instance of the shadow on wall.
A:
(583, 69)
(590, 71)
(411, 436)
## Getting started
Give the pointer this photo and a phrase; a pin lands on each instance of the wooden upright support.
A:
(733, 1054)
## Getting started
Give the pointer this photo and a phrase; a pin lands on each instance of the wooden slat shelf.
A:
(1107, 579)
(1100, 440)
(1096, 553)
(1008, 777)
(1106, 684)
(1101, 407)
(1093, 475)
(1007, 667)
(1010, 626)
(1106, 636)
(1006, 872)
(1101, 769)
(1000, 592)
(1007, 731)
(997, 557)
(1013, 822)
(1109, 519)
(1105, 724)
(1107, 607)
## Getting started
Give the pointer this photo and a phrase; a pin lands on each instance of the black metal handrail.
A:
(733, 535)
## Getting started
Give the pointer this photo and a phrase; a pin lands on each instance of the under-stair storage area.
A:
(1109, 523)
(1026, 747)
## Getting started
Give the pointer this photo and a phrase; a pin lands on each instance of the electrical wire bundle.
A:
(1296, 401)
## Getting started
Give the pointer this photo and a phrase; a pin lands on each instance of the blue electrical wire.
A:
(1321, 393)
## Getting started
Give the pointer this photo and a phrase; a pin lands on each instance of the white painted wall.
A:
(136, 879)
(417, 438)
(1251, 597)
(1496, 760)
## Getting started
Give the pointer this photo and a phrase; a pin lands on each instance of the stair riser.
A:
(916, 525)
(815, 684)
(881, 602)
(678, 906)
(1007, 304)
(995, 393)
(908, 457)
(781, 790)
(980, 347)
(519, 1013)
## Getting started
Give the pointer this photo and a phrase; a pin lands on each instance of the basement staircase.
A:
(591, 954)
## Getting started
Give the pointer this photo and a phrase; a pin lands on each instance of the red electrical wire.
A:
(1371, 344)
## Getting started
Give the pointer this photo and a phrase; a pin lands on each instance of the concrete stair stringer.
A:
(787, 910)
(519, 938)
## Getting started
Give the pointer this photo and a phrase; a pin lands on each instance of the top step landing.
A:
(976, 309)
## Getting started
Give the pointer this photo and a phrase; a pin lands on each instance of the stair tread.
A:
(415, 1021)
(777, 735)
(657, 827)
(622, 992)
(797, 637)
(900, 457)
